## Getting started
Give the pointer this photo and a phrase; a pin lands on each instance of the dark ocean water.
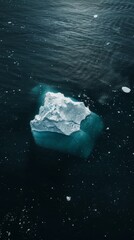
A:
(86, 50)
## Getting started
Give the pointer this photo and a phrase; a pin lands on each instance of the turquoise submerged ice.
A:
(66, 125)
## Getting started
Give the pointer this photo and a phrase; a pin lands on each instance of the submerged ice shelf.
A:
(65, 125)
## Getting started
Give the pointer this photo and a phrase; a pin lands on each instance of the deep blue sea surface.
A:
(86, 50)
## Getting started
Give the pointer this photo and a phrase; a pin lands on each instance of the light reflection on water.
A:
(63, 44)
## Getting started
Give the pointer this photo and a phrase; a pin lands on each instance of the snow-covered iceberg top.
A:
(59, 114)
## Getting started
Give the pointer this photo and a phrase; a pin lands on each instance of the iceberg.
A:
(66, 125)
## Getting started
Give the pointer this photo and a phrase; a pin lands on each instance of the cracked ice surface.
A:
(59, 114)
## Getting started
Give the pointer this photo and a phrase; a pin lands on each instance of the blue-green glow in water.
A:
(79, 143)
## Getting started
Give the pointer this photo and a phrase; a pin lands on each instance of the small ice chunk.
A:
(126, 89)
(95, 15)
(68, 198)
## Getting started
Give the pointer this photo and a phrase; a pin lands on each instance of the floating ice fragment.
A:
(96, 15)
(126, 89)
(68, 198)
